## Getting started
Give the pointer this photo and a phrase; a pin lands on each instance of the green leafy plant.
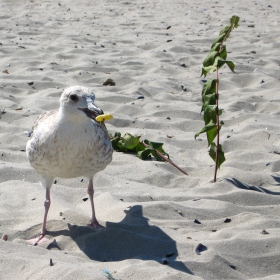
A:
(216, 59)
(145, 149)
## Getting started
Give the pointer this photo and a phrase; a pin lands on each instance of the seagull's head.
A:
(77, 102)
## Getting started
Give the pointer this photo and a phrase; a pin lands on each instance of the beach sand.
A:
(152, 49)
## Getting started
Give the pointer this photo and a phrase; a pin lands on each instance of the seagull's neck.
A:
(65, 116)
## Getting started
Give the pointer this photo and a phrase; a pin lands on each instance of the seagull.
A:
(69, 143)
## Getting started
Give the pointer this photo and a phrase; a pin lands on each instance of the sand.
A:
(148, 207)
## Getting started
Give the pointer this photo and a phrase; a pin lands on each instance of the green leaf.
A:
(145, 154)
(207, 70)
(208, 93)
(219, 39)
(211, 134)
(220, 62)
(139, 147)
(209, 87)
(210, 114)
(223, 53)
(216, 47)
(209, 60)
(203, 72)
(157, 157)
(117, 134)
(221, 156)
(210, 129)
(231, 65)
(156, 146)
(235, 21)
(206, 128)
(209, 99)
(225, 29)
(115, 140)
(129, 142)
(220, 49)
(150, 150)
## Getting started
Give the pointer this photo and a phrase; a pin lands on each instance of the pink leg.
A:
(94, 223)
(47, 204)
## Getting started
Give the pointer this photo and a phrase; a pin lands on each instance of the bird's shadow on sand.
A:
(132, 238)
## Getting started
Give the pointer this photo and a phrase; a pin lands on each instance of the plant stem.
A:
(167, 159)
(217, 123)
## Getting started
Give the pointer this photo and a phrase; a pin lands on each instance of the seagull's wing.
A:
(41, 118)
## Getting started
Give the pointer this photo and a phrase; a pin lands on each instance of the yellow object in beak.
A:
(103, 118)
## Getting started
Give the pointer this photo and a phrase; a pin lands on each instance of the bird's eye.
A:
(74, 97)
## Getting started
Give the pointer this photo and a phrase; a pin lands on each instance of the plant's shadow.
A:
(244, 186)
(132, 238)
(276, 179)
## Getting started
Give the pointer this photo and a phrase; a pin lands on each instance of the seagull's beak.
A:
(91, 111)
